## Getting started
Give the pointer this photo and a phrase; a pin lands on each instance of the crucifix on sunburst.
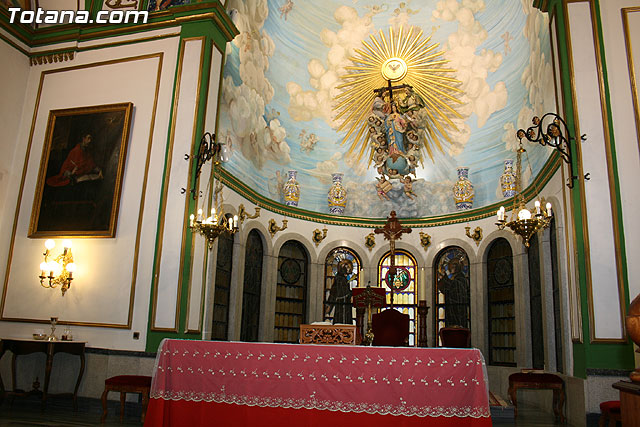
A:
(392, 231)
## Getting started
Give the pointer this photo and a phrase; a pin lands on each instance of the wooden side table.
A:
(629, 402)
(328, 334)
(22, 347)
(539, 381)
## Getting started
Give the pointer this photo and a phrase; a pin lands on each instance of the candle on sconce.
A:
(191, 218)
(537, 207)
(235, 221)
(549, 209)
(43, 268)
(71, 268)
(230, 223)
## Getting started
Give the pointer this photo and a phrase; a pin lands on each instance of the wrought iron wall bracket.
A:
(554, 134)
(208, 149)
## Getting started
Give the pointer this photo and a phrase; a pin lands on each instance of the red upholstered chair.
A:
(455, 337)
(126, 384)
(611, 410)
(390, 328)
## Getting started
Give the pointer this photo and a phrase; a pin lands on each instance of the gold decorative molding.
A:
(370, 241)
(318, 236)
(476, 236)
(242, 213)
(425, 240)
(273, 228)
(51, 58)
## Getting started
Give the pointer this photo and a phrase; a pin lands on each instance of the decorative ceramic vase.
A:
(463, 190)
(508, 179)
(337, 197)
(291, 190)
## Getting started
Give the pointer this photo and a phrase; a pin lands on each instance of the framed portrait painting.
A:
(81, 170)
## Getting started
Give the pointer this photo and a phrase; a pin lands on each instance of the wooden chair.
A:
(455, 337)
(611, 410)
(390, 328)
(126, 384)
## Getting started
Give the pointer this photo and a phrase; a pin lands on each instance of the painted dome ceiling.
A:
(283, 99)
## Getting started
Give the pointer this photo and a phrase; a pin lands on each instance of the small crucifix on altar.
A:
(392, 231)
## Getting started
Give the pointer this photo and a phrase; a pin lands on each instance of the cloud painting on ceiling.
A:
(283, 97)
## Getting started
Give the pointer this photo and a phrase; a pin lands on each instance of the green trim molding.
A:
(210, 34)
(178, 16)
(546, 173)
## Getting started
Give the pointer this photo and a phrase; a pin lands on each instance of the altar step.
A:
(500, 409)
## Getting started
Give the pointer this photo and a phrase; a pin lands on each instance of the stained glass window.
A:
(452, 290)
(405, 298)
(342, 273)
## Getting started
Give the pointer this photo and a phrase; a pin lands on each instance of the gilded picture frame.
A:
(81, 171)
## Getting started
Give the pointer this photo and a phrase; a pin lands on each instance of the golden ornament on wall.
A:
(318, 236)
(401, 69)
(370, 241)
(425, 240)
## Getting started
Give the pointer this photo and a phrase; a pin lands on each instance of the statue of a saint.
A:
(395, 126)
(340, 294)
(455, 288)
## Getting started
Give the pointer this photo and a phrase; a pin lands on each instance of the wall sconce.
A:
(273, 228)
(318, 236)
(476, 236)
(217, 223)
(60, 269)
(243, 215)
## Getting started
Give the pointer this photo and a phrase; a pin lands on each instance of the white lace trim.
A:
(329, 405)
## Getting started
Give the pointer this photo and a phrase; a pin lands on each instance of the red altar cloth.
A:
(262, 384)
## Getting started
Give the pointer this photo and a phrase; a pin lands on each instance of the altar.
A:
(264, 384)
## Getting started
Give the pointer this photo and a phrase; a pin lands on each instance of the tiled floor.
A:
(59, 412)
(26, 412)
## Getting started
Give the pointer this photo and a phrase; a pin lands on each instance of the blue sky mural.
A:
(281, 73)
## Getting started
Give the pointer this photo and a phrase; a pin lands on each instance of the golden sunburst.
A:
(402, 57)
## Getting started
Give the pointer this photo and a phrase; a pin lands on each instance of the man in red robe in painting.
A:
(77, 167)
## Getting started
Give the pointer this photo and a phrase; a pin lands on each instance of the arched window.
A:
(451, 291)
(252, 287)
(535, 303)
(342, 273)
(291, 292)
(220, 327)
(405, 300)
(502, 320)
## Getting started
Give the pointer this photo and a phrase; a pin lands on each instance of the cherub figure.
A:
(408, 187)
(379, 157)
(383, 186)
(285, 9)
(393, 173)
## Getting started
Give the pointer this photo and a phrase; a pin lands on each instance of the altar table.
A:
(262, 384)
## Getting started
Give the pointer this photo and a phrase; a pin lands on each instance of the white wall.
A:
(15, 68)
(624, 120)
(114, 274)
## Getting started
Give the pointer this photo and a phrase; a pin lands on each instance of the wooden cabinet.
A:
(629, 402)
